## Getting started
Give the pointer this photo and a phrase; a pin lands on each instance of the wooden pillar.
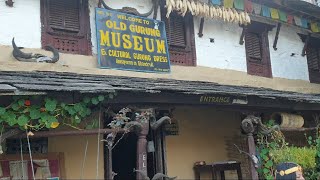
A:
(252, 151)
(142, 144)
(249, 126)
(109, 173)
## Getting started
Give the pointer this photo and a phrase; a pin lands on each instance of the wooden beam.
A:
(200, 34)
(175, 99)
(303, 53)
(54, 133)
(298, 129)
(241, 41)
(9, 134)
(155, 10)
(276, 37)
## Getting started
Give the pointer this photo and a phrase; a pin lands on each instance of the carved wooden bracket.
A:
(250, 124)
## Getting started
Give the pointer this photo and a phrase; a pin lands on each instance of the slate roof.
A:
(71, 82)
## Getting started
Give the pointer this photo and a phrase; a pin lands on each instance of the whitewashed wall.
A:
(22, 22)
(226, 52)
(283, 64)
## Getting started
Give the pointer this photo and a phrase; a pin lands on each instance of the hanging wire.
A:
(84, 159)
(98, 151)
(32, 168)
(22, 161)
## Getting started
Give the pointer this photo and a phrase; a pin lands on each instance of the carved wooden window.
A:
(65, 25)
(180, 37)
(313, 57)
(257, 50)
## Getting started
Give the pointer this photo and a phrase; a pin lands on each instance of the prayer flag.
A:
(228, 3)
(283, 16)
(274, 13)
(265, 11)
(248, 6)
(239, 4)
(216, 2)
(256, 8)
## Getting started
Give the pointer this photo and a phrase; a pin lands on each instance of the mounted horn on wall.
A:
(31, 57)
(131, 10)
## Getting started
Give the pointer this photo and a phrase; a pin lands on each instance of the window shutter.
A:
(257, 50)
(66, 25)
(176, 30)
(313, 59)
(253, 46)
(64, 15)
(180, 37)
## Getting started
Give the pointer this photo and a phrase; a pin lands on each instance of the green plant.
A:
(274, 150)
(314, 142)
(266, 145)
(302, 155)
(35, 113)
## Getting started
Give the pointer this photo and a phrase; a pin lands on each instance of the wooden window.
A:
(313, 58)
(65, 25)
(37, 145)
(180, 37)
(257, 50)
(11, 165)
(254, 48)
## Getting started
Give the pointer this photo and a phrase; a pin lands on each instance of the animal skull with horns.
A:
(31, 57)
(131, 10)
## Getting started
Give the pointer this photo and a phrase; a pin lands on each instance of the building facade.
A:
(220, 72)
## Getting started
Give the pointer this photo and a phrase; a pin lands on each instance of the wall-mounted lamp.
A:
(9, 3)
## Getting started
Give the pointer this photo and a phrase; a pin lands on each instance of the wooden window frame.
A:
(55, 156)
(185, 56)
(313, 43)
(83, 37)
(259, 67)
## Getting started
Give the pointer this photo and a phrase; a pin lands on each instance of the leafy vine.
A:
(32, 114)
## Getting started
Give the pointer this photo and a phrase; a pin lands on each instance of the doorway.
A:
(124, 157)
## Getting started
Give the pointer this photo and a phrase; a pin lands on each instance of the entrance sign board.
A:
(131, 42)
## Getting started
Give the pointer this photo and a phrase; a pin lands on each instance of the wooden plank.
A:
(298, 129)
(64, 133)
(7, 88)
(164, 144)
(14, 157)
(158, 152)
